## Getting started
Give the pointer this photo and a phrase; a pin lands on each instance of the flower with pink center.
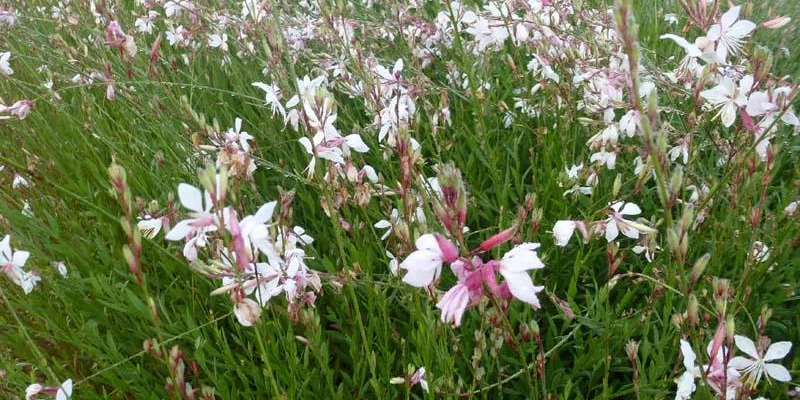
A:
(425, 264)
(61, 392)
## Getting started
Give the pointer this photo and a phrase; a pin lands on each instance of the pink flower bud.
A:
(776, 23)
(448, 249)
(498, 239)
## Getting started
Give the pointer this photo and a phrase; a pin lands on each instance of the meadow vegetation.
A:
(399, 199)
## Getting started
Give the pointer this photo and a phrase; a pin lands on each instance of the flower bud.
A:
(699, 267)
(617, 185)
(776, 23)
(498, 239)
(693, 310)
(676, 183)
(730, 328)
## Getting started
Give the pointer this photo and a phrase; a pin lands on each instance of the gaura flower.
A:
(425, 264)
(616, 223)
(514, 266)
(5, 68)
(728, 97)
(200, 220)
(730, 33)
(757, 365)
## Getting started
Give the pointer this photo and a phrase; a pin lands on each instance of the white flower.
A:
(200, 220)
(791, 207)
(61, 267)
(616, 223)
(759, 252)
(65, 390)
(727, 97)
(255, 233)
(425, 264)
(5, 68)
(562, 232)
(756, 366)
(686, 384)
(247, 312)
(11, 263)
(19, 181)
(272, 95)
(514, 266)
(730, 32)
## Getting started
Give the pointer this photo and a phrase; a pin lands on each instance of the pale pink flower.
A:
(19, 109)
(514, 266)
(730, 33)
(454, 303)
(247, 312)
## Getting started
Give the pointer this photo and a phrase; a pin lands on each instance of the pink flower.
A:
(425, 264)
(20, 109)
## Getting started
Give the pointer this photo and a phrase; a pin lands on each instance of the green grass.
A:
(370, 328)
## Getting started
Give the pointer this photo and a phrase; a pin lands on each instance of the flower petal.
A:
(562, 232)
(422, 267)
(521, 286)
(20, 257)
(740, 29)
(191, 197)
(630, 209)
(180, 230)
(778, 372)
(746, 345)
(777, 351)
(740, 363)
(264, 214)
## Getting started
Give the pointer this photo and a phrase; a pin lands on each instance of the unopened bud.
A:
(766, 314)
(693, 310)
(676, 183)
(617, 186)
(776, 23)
(152, 305)
(498, 239)
(730, 328)
(699, 267)
(677, 320)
